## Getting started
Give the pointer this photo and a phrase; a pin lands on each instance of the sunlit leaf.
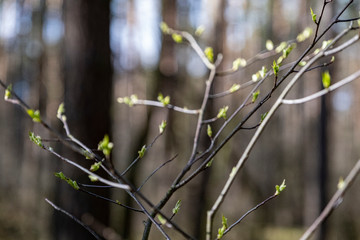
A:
(199, 30)
(280, 188)
(177, 207)
(222, 112)
(105, 145)
(326, 79)
(142, 151)
(176, 37)
(255, 96)
(209, 53)
(209, 131)
(162, 126)
(94, 167)
(313, 15)
(269, 45)
(68, 180)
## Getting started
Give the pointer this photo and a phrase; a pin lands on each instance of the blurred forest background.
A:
(89, 53)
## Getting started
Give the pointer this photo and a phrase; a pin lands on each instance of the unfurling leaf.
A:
(326, 79)
(95, 166)
(222, 112)
(325, 43)
(162, 220)
(130, 101)
(341, 183)
(142, 151)
(61, 112)
(93, 178)
(35, 115)
(313, 15)
(105, 146)
(199, 30)
(269, 45)
(164, 100)
(223, 227)
(164, 28)
(177, 207)
(209, 53)
(176, 37)
(255, 96)
(262, 117)
(239, 62)
(209, 163)
(68, 180)
(302, 63)
(8, 92)
(234, 87)
(36, 139)
(281, 47)
(275, 68)
(304, 35)
(263, 71)
(288, 50)
(162, 126)
(209, 131)
(280, 188)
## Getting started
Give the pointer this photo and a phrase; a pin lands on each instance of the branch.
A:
(341, 83)
(75, 219)
(334, 202)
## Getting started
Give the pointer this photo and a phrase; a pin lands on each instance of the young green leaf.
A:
(209, 53)
(255, 96)
(288, 50)
(164, 28)
(239, 62)
(222, 112)
(177, 37)
(275, 68)
(68, 180)
(223, 227)
(234, 88)
(199, 30)
(262, 117)
(263, 71)
(302, 63)
(35, 115)
(280, 188)
(105, 145)
(313, 15)
(326, 79)
(61, 112)
(8, 92)
(93, 178)
(94, 167)
(164, 100)
(162, 126)
(142, 151)
(130, 101)
(162, 220)
(281, 47)
(177, 207)
(341, 183)
(209, 131)
(209, 163)
(304, 35)
(269, 45)
(36, 139)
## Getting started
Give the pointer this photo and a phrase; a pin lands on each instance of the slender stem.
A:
(334, 202)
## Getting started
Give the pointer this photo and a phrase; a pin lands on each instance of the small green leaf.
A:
(199, 30)
(61, 112)
(95, 166)
(209, 53)
(255, 77)
(239, 62)
(8, 92)
(279, 60)
(281, 47)
(35, 115)
(325, 43)
(269, 45)
(263, 71)
(233, 172)
(162, 220)
(234, 87)
(142, 151)
(304, 35)
(177, 207)
(302, 63)
(105, 145)
(332, 59)
(326, 79)
(164, 28)
(255, 96)
(341, 183)
(288, 50)
(222, 112)
(209, 131)
(68, 180)
(36, 139)
(162, 126)
(223, 228)
(177, 37)
(275, 68)
(93, 178)
(280, 188)
(164, 100)
(313, 15)
(262, 117)
(130, 101)
(209, 163)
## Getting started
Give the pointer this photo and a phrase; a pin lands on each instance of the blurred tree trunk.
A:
(88, 87)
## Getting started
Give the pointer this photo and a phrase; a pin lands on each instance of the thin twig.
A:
(334, 202)
(75, 219)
